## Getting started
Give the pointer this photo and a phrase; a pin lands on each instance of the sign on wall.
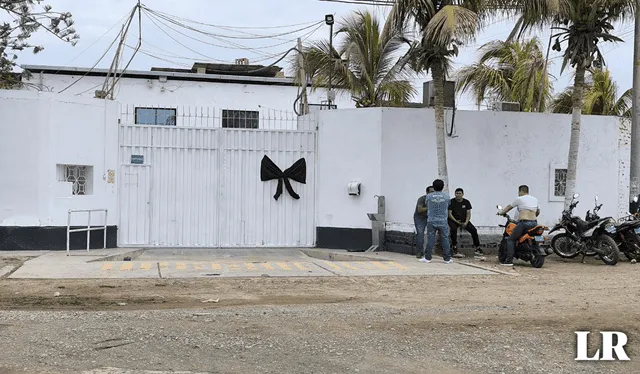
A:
(137, 159)
(111, 176)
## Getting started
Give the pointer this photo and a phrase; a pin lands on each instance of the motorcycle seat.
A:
(584, 225)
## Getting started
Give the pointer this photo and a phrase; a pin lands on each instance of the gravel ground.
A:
(471, 324)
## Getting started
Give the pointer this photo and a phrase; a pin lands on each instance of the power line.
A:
(236, 45)
(101, 57)
(233, 27)
(171, 20)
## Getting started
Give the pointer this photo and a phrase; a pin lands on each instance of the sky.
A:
(229, 24)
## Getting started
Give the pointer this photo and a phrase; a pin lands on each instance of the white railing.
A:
(88, 229)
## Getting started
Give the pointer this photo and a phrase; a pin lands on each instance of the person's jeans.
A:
(421, 225)
(443, 228)
(521, 228)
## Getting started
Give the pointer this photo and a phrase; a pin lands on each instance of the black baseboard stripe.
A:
(343, 238)
(53, 238)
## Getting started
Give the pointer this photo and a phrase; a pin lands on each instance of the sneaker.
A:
(457, 255)
(479, 252)
(424, 260)
(449, 262)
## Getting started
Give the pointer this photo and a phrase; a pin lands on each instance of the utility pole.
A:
(634, 185)
(303, 79)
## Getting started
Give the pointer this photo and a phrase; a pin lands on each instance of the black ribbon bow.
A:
(298, 172)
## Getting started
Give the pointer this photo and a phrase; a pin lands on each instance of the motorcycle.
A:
(586, 238)
(627, 230)
(528, 247)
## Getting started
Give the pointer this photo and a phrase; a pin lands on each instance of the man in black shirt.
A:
(420, 221)
(460, 216)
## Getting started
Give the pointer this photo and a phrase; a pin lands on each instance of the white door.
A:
(135, 209)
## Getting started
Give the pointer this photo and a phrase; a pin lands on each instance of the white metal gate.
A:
(202, 187)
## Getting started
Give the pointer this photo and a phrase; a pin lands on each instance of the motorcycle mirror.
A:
(596, 198)
(499, 207)
(576, 195)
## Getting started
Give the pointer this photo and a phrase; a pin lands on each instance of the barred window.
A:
(240, 119)
(560, 182)
(80, 177)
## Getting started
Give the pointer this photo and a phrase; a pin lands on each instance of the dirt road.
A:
(464, 324)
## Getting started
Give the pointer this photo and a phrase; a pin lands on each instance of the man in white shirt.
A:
(528, 209)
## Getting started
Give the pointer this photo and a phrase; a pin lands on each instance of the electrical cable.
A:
(168, 19)
(151, 17)
(175, 56)
(100, 59)
(266, 56)
(233, 27)
(95, 41)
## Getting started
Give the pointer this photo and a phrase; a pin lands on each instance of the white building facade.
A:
(194, 184)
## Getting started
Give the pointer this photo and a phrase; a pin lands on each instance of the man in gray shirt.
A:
(420, 221)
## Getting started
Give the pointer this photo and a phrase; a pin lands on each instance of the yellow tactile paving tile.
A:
(272, 266)
(106, 266)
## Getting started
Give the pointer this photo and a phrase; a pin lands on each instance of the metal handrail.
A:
(88, 229)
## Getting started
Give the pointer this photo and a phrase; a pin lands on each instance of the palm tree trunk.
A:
(574, 143)
(438, 81)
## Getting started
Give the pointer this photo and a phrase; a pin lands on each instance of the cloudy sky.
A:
(220, 30)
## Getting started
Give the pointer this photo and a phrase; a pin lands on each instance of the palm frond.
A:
(451, 23)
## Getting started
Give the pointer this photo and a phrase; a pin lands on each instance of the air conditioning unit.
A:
(429, 94)
(242, 61)
(506, 106)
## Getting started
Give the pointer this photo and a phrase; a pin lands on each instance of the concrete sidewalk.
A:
(215, 262)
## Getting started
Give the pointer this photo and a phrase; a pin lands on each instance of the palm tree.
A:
(582, 25)
(443, 25)
(509, 71)
(600, 97)
(367, 62)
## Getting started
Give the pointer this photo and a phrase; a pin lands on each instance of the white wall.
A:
(491, 154)
(42, 130)
(189, 94)
(349, 149)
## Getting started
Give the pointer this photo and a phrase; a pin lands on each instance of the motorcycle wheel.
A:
(631, 248)
(561, 245)
(610, 256)
(537, 261)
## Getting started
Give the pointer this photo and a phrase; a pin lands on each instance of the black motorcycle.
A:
(528, 247)
(585, 238)
(627, 230)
